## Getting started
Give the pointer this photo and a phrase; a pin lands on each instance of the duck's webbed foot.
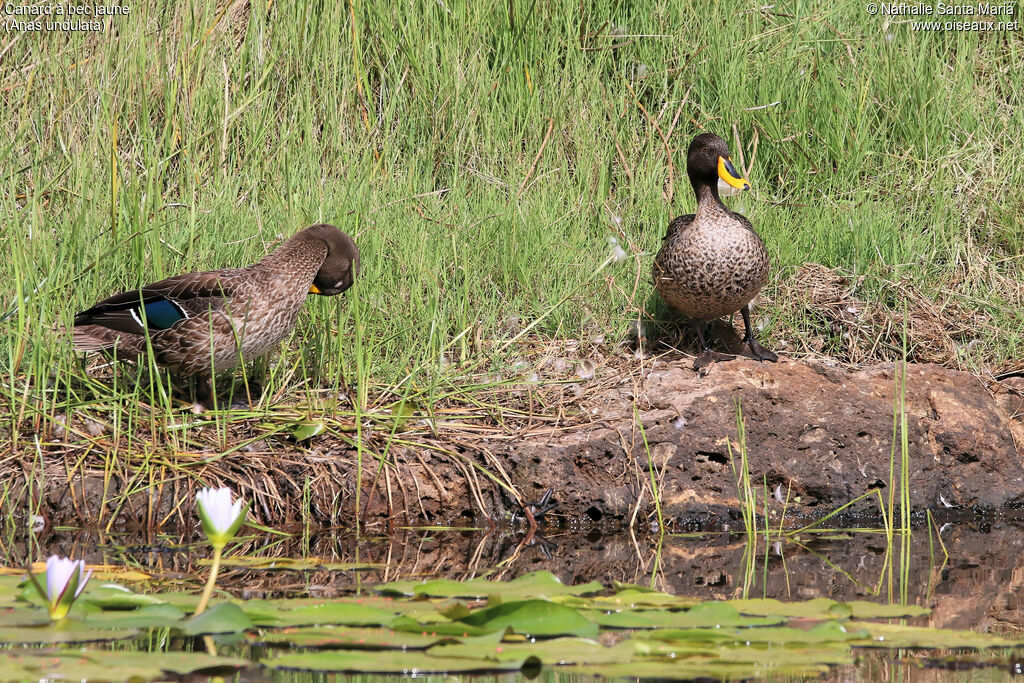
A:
(756, 350)
(708, 357)
(759, 352)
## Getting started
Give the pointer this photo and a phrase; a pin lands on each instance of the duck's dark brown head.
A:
(707, 160)
(341, 265)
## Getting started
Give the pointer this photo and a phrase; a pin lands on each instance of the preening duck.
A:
(712, 263)
(200, 323)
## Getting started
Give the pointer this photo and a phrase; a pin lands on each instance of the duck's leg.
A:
(756, 350)
(204, 395)
(707, 356)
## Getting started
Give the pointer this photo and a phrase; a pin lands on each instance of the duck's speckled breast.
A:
(710, 266)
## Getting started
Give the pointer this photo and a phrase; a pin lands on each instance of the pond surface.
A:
(967, 572)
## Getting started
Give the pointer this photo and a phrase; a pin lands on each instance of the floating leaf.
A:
(339, 612)
(66, 631)
(225, 617)
(534, 584)
(151, 616)
(818, 608)
(349, 637)
(899, 636)
(692, 669)
(533, 618)
(825, 632)
(386, 661)
(630, 598)
(107, 666)
(112, 596)
(556, 651)
(23, 616)
(704, 615)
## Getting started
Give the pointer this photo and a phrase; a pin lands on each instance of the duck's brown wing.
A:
(161, 305)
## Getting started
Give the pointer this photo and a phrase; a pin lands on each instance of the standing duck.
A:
(712, 263)
(199, 323)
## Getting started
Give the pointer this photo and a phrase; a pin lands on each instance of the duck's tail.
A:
(98, 338)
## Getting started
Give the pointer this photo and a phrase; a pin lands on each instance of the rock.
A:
(817, 436)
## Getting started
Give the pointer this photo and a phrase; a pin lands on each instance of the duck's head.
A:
(341, 265)
(707, 160)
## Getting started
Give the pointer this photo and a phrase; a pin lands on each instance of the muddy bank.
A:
(817, 436)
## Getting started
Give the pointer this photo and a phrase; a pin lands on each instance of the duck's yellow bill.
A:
(313, 289)
(728, 173)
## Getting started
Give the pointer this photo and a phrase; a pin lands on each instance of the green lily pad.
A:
(335, 612)
(535, 584)
(704, 615)
(348, 637)
(385, 661)
(23, 616)
(457, 629)
(557, 651)
(899, 636)
(108, 666)
(225, 617)
(536, 618)
(818, 608)
(112, 596)
(151, 616)
(825, 632)
(631, 598)
(691, 669)
(66, 631)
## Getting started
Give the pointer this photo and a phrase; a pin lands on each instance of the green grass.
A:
(199, 138)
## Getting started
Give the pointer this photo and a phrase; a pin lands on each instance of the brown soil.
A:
(817, 436)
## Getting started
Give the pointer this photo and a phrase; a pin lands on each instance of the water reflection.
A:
(978, 586)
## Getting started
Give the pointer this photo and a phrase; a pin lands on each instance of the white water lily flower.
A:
(65, 580)
(221, 518)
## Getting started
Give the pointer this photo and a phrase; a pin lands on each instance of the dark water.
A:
(978, 586)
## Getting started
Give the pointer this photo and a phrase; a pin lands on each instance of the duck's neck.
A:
(302, 255)
(707, 197)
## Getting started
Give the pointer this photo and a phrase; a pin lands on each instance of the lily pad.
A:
(704, 615)
(23, 616)
(151, 616)
(899, 636)
(225, 617)
(112, 596)
(67, 631)
(818, 608)
(632, 598)
(368, 661)
(825, 632)
(533, 618)
(108, 666)
(557, 651)
(535, 584)
(337, 612)
(347, 637)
